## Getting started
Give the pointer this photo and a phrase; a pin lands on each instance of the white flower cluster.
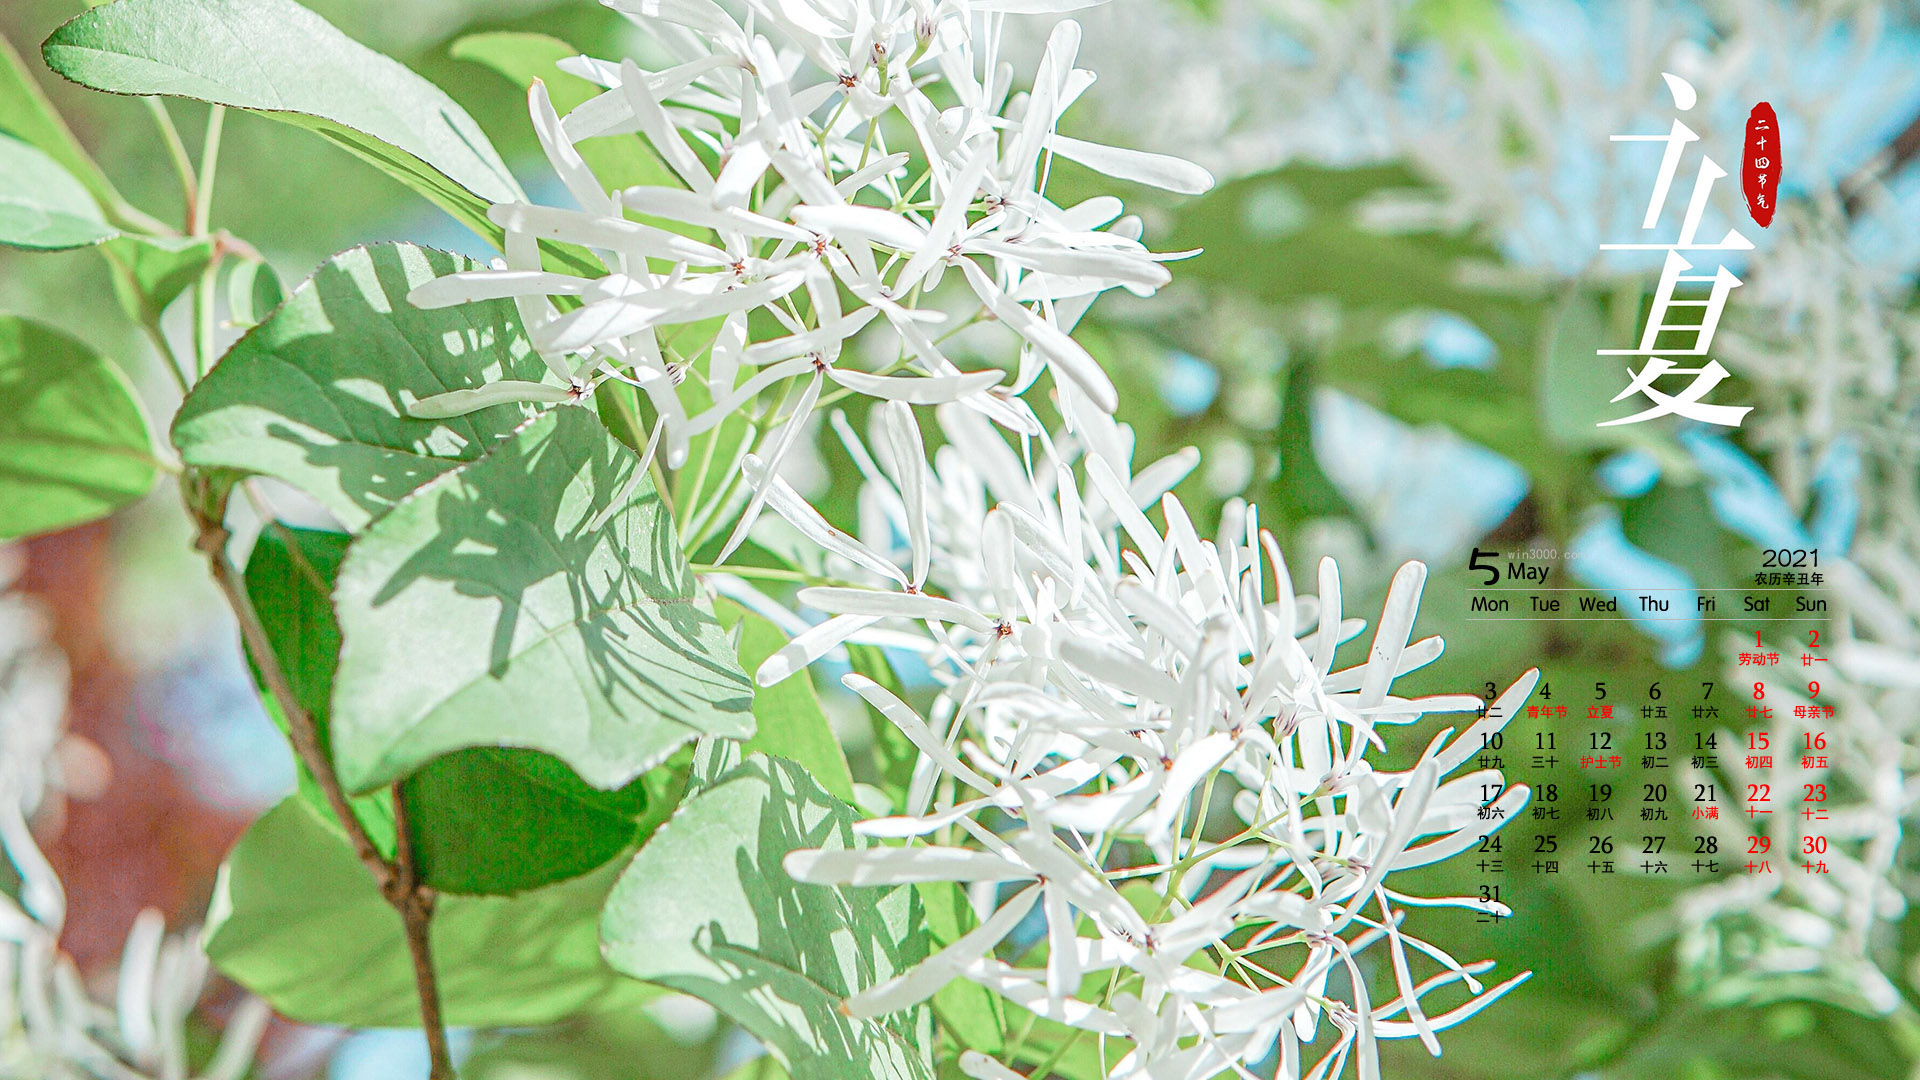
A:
(1146, 730)
(780, 131)
(1136, 727)
(49, 1026)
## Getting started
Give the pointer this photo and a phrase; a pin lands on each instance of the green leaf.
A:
(289, 580)
(634, 1044)
(788, 720)
(1296, 232)
(537, 824)
(1303, 486)
(253, 291)
(42, 206)
(73, 440)
(618, 160)
(26, 113)
(707, 909)
(524, 58)
(497, 820)
(277, 58)
(150, 273)
(297, 920)
(316, 396)
(534, 598)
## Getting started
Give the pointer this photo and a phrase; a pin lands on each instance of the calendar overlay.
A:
(1722, 774)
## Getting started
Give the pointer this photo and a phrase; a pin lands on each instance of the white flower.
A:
(791, 193)
(1107, 682)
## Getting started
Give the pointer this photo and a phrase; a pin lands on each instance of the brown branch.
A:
(206, 502)
(414, 901)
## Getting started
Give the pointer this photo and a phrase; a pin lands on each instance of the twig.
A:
(203, 298)
(414, 901)
(209, 163)
(206, 503)
(177, 153)
(170, 359)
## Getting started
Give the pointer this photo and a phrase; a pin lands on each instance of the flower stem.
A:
(177, 154)
(209, 164)
(1045, 1068)
(203, 289)
(699, 482)
(171, 360)
(767, 573)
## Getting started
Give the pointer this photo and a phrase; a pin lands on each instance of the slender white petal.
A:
(579, 180)
(703, 16)
(801, 515)
(697, 209)
(660, 131)
(1153, 170)
(916, 731)
(777, 448)
(1062, 351)
(929, 390)
(474, 285)
(810, 646)
(906, 460)
(620, 316)
(926, 978)
(862, 223)
(605, 229)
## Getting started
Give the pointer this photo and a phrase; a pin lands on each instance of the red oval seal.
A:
(1760, 173)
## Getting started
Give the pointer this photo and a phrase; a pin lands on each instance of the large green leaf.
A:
(297, 920)
(42, 206)
(26, 113)
(316, 396)
(73, 441)
(707, 909)
(534, 598)
(277, 58)
(538, 822)
(788, 720)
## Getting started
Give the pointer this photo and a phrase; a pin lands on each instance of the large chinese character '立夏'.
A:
(1667, 296)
